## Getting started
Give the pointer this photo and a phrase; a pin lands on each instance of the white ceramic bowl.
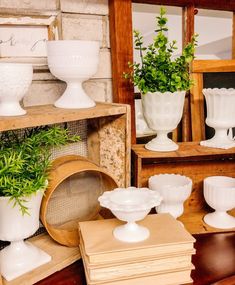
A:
(219, 193)
(174, 189)
(73, 61)
(130, 205)
(15, 79)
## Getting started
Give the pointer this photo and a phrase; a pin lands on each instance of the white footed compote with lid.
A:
(174, 189)
(220, 103)
(15, 79)
(130, 205)
(73, 61)
(219, 193)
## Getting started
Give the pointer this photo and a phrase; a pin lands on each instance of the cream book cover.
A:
(166, 236)
(172, 278)
(135, 268)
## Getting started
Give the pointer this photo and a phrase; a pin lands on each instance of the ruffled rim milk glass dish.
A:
(174, 189)
(73, 61)
(15, 79)
(130, 205)
(220, 103)
(219, 193)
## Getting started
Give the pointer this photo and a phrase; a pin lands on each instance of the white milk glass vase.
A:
(219, 193)
(20, 256)
(174, 189)
(220, 104)
(162, 112)
(73, 61)
(15, 79)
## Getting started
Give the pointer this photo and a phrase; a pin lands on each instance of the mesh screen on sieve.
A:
(76, 198)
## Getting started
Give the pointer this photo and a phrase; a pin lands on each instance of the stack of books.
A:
(162, 259)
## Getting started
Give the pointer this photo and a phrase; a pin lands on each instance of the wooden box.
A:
(108, 132)
(192, 160)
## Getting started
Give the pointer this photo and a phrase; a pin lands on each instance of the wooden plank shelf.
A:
(49, 114)
(192, 160)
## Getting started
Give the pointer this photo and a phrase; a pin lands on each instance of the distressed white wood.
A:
(84, 27)
(98, 7)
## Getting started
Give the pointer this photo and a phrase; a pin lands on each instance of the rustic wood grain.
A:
(48, 114)
(197, 108)
(213, 65)
(120, 15)
(228, 5)
(192, 160)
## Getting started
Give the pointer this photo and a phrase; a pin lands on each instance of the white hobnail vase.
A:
(174, 189)
(219, 193)
(15, 79)
(220, 103)
(73, 61)
(130, 205)
(20, 257)
(162, 112)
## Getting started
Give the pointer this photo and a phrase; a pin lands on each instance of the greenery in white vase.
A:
(25, 161)
(158, 69)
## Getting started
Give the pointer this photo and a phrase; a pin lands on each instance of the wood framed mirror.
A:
(121, 31)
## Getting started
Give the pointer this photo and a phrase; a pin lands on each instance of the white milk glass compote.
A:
(219, 193)
(174, 189)
(130, 205)
(162, 112)
(15, 79)
(20, 256)
(73, 61)
(220, 103)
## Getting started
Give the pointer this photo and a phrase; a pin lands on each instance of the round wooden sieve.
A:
(75, 184)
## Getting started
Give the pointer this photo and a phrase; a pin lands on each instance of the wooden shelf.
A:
(192, 160)
(194, 223)
(48, 114)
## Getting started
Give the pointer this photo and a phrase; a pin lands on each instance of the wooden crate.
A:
(108, 136)
(192, 160)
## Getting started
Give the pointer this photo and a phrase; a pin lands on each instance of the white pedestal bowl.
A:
(219, 193)
(174, 189)
(20, 257)
(15, 80)
(130, 205)
(163, 112)
(73, 61)
(220, 116)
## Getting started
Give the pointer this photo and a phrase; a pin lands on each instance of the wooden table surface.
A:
(214, 262)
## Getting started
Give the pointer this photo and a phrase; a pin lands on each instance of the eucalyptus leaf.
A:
(158, 70)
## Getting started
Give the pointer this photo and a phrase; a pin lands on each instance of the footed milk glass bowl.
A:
(220, 103)
(73, 61)
(15, 79)
(130, 204)
(174, 189)
(219, 193)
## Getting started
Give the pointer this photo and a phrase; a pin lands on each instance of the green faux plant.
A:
(158, 71)
(25, 161)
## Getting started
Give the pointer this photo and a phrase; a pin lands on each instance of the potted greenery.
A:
(162, 81)
(24, 166)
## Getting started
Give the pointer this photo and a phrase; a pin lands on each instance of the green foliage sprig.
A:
(25, 161)
(157, 71)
